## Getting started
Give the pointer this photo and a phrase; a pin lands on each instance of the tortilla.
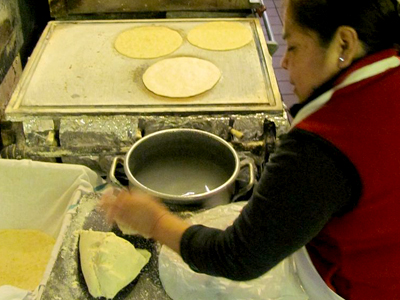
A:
(220, 36)
(181, 77)
(148, 42)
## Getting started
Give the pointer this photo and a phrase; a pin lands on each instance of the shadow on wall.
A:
(34, 17)
(21, 24)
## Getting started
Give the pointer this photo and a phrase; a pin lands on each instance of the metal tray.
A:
(75, 69)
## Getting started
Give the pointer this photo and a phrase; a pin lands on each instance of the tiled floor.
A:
(275, 17)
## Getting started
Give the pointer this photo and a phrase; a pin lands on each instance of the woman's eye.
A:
(290, 48)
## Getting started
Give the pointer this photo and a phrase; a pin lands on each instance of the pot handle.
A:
(111, 174)
(244, 190)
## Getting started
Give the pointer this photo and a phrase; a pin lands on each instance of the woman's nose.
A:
(284, 62)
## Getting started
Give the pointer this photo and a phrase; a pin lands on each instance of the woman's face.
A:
(309, 64)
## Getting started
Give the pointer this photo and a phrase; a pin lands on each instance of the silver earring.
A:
(341, 59)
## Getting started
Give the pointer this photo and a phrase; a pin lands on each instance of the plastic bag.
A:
(181, 283)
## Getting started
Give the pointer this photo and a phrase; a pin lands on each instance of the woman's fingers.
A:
(135, 209)
(108, 205)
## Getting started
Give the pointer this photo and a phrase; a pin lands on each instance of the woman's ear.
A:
(349, 46)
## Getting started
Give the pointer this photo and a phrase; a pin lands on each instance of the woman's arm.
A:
(305, 183)
(144, 214)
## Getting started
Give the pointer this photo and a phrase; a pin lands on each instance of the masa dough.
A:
(220, 36)
(24, 254)
(181, 77)
(148, 42)
(109, 262)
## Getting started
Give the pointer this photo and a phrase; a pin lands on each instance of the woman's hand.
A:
(144, 214)
(134, 210)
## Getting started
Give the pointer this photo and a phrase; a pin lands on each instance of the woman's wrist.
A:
(169, 229)
(156, 222)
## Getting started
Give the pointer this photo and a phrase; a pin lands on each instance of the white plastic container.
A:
(311, 281)
(38, 195)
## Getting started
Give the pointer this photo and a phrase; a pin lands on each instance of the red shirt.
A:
(358, 254)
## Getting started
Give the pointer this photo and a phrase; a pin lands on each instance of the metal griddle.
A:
(80, 101)
(76, 69)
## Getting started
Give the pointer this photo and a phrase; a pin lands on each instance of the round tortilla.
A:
(181, 77)
(148, 42)
(220, 36)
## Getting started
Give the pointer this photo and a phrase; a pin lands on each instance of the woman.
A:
(333, 182)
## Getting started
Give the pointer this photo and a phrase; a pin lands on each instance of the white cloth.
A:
(39, 195)
(9, 292)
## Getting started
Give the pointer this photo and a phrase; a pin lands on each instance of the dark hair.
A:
(377, 22)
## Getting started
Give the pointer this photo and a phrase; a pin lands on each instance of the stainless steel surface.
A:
(174, 145)
(85, 103)
(272, 44)
(69, 8)
(89, 76)
(111, 177)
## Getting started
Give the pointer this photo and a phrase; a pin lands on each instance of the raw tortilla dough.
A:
(148, 42)
(108, 262)
(220, 36)
(24, 254)
(181, 77)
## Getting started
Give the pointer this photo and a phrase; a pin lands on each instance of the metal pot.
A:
(183, 167)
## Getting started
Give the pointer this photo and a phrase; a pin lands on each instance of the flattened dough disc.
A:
(220, 36)
(181, 77)
(148, 42)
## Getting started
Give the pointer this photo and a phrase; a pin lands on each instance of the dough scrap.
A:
(108, 262)
(125, 229)
(181, 77)
(24, 255)
(148, 42)
(220, 36)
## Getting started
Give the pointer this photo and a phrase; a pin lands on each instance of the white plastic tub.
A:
(38, 195)
(311, 281)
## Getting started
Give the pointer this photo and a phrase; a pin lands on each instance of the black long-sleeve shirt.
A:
(305, 182)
